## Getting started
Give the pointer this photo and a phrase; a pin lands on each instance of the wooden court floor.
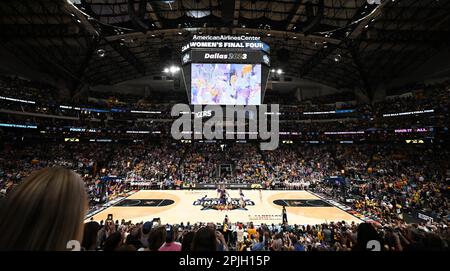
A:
(176, 206)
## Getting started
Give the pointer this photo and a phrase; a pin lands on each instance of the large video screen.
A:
(226, 84)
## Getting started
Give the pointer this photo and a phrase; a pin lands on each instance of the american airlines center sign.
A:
(226, 42)
(225, 38)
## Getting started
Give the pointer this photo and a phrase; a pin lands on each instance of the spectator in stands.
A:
(366, 234)
(90, 235)
(105, 232)
(134, 237)
(277, 242)
(146, 228)
(205, 240)
(186, 245)
(44, 212)
(260, 245)
(170, 244)
(297, 245)
(113, 242)
(239, 236)
(156, 238)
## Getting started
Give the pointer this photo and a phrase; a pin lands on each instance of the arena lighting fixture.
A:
(16, 100)
(337, 58)
(172, 69)
(278, 71)
(101, 52)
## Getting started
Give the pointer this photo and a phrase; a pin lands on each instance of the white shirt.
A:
(240, 235)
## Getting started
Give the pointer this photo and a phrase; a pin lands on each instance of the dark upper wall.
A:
(435, 68)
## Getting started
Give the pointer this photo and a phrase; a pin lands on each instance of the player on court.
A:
(203, 200)
(223, 197)
(241, 198)
(241, 194)
(229, 201)
(284, 216)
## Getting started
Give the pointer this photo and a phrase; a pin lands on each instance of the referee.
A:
(284, 214)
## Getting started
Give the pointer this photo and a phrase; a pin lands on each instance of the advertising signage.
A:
(226, 42)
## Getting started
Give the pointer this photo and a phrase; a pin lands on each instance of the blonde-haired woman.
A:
(44, 212)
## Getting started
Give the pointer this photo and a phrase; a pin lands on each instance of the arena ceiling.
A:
(340, 43)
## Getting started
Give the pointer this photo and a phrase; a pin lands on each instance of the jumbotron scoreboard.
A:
(225, 69)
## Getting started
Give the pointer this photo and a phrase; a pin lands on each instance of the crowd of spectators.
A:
(297, 167)
(106, 168)
(395, 181)
(227, 236)
(384, 181)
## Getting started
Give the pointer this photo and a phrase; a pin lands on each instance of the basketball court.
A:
(176, 206)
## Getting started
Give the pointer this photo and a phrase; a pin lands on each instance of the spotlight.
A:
(172, 69)
(101, 52)
(279, 71)
(337, 58)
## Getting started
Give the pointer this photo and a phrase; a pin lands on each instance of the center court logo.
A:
(215, 204)
(237, 119)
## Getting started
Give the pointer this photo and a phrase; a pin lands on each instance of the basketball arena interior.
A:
(224, 125)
